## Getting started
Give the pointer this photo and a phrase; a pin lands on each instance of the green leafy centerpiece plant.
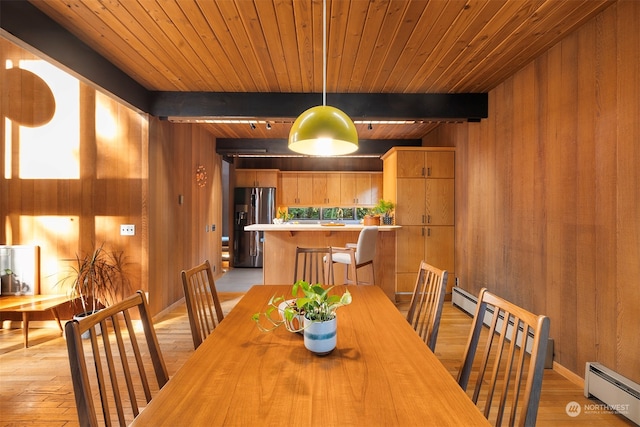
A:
(313, 314)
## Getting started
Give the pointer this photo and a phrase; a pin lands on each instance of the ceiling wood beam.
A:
(359, 106)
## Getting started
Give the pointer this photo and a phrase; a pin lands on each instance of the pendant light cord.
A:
(324, 52)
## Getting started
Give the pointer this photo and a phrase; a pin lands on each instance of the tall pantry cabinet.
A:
(421, 182)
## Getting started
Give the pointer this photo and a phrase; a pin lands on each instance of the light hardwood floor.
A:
(35, 383)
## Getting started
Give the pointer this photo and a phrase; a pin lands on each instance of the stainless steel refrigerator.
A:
(253, 205)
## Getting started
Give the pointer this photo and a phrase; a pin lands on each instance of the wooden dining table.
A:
(380, 374)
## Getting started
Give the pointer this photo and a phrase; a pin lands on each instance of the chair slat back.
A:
(113, 346)
(311, 267)
(511, 362)
(426, 304)
(203, 305)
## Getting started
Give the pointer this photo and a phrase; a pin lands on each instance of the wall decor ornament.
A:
(201, 176)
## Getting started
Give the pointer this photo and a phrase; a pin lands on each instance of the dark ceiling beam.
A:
(276, 147)
(29, 25)
(359, 106)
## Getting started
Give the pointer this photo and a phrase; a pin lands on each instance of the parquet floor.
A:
(35, 384)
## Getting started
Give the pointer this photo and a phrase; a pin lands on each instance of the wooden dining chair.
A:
(358, 255)
(513, 355)
(203, 305)
(114, 349)
(426, 304)
(311, 265)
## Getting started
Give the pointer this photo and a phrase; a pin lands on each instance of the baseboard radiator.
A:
(620, 394)
(468, 302)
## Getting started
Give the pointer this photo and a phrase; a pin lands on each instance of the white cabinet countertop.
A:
(314, 227)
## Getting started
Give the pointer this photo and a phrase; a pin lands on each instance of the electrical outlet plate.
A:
(127, 230)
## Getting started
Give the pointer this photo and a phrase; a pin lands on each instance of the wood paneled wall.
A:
(135, 176)
(69, 216)
(180, 235)
(548, 192)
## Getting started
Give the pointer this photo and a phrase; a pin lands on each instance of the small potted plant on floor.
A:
(313, 314)
(97, 279)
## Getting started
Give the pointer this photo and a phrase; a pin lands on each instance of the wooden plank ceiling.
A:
(385, 46)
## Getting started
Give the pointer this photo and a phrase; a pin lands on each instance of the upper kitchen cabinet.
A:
(256, 177)
(329, 188)
(430, 164)
(296, 189)
(359, 188)
(326, 188)
(376, 187)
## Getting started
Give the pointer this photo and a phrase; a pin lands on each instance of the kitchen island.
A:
(281, 240)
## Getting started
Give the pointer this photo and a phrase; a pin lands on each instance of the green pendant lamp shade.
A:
(323, 131)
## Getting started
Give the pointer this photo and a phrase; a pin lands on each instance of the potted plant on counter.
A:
(371, 218)
(283, 216)
(313, 314)
(385, 209)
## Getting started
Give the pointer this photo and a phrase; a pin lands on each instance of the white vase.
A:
(320, 337)
(86, 334)
(295, 324)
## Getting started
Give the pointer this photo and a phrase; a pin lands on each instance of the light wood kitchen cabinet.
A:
(420, 181)
(430, 164)
(425, 201)
(256, 178)
(326, 188)
(359, 189)
(434, 244)
(296, 189)
(329, 188)
(376, 187)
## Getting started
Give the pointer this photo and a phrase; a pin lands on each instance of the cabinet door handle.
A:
(422, 172)
(428, 219)
(423, 219)
(428, 231)
(428, 171)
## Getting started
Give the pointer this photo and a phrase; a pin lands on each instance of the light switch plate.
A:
(127, 230)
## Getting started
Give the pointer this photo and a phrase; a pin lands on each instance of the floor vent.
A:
(620, 394)
(467, 302)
